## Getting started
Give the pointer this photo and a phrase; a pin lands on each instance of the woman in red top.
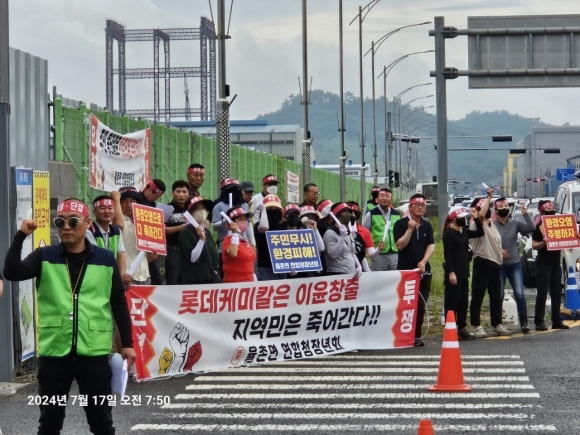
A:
(238, 255)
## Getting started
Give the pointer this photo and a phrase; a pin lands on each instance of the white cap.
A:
(457, 211)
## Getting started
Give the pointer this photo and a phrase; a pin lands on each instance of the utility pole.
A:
(306, 142)
(223, 104)
(6, 325)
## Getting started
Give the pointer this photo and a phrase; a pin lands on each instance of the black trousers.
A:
(485, 276)
(456, 299)
(424, 292)
(172, 275)
(93, 376)
(548, 280)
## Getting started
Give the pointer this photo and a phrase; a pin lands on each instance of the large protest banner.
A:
(118, 160)
(179, 329)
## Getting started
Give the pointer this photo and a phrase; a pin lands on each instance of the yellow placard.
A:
(41, 207)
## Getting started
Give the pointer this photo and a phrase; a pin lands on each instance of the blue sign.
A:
(565, 174)
(293, 250)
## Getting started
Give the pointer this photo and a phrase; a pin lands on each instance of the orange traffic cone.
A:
(450, 376)
(425, 428)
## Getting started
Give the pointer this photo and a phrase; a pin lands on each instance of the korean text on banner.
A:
(293, 250)
(182, 329)
(292, 187)
(118, 160)
(41, 207)
(149, 229)
(561, 231)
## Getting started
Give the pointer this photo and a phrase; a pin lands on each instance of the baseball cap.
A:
(235, 212)
(198, 199)
(229, 182)
(290, 208)
(270, 179)
(129, 192)
(247, 186)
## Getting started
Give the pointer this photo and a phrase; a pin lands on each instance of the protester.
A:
(339, 245)
(362, 237)
(124, 200)
(238, 254)
(195, 178)
(269, 187)
(371, 203)
(153, 190)
(380, 221)
(198, 255)
(311, 193)
(270, 220)
(103, 233)
(511, 268)
(415, 244)
(455, 236)
(247, 188)
(548, 273)
(174, 224)
(487, 261)
(79, 291)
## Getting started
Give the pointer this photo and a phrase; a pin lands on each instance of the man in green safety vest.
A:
(78, 292)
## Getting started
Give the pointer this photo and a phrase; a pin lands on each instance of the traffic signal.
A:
(391, 177)
(396, 179)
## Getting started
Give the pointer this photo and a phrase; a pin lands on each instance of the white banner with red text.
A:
(198, 328)
(118, 160)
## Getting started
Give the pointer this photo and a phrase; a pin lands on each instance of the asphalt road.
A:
(520, 384)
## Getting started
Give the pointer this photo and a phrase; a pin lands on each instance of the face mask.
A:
(293, 221)
(460, 222)
(272, 190)
(242, 226)
(200, 216)
(549, 213)
(344, 218)
(503, 212)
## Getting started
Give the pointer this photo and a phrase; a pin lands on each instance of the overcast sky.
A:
(264, 54)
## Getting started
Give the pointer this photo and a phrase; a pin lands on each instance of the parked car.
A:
(567, 201)
(527, 258)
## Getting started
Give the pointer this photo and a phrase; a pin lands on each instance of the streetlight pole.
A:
(373, 50)
(361, 18)
(341, 128)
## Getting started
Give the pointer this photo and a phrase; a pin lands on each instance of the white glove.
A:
(343, 230)
(235, 239)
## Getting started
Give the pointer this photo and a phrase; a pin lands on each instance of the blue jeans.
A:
(513, 272)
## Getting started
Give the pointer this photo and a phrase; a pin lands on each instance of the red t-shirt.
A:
(240, 268)
(365, 235)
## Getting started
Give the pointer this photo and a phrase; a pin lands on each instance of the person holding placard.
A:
(238, 254)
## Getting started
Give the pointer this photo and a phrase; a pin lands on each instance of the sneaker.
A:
(464, 335)
(559, 325)
(500, 330)
(418, 342)
(480, 332)
(541, 327)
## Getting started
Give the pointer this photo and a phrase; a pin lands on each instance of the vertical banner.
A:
(23, 183)
(292, 187)
(118, 160)
(41, 207)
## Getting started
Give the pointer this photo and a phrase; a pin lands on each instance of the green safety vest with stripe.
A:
(378, 229)
(86, 323)
(113, 235)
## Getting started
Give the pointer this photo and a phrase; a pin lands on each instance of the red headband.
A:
(545, 205)
(498, 203)
(340, 208)
(200, 170)
(154, 187)
(458, 212)
(105, 202)
(269, 179)
(73, 205)
(418, 200)
(237, 212)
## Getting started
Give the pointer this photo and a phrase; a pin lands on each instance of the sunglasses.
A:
(72, 221)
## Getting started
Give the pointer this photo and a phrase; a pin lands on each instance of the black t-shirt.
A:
(544, 255)
(413, 253)
(176, 218)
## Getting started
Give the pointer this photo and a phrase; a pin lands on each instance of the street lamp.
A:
(362, 13)
(386, 70)
(373, 50)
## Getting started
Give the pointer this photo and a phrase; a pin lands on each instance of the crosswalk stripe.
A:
(357, 386)
(377, 378)
(341, 406)
(358, 396)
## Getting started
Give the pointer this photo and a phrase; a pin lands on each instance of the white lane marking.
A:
(275, 428)
(353, 396)
(347, 406)
(377, 378)
(326, 386)
(339, 362)
(376, 369)
(355, 415)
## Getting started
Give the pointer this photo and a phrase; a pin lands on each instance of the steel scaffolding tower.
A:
(206, 72)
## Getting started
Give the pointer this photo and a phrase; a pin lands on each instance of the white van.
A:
(567, 201)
